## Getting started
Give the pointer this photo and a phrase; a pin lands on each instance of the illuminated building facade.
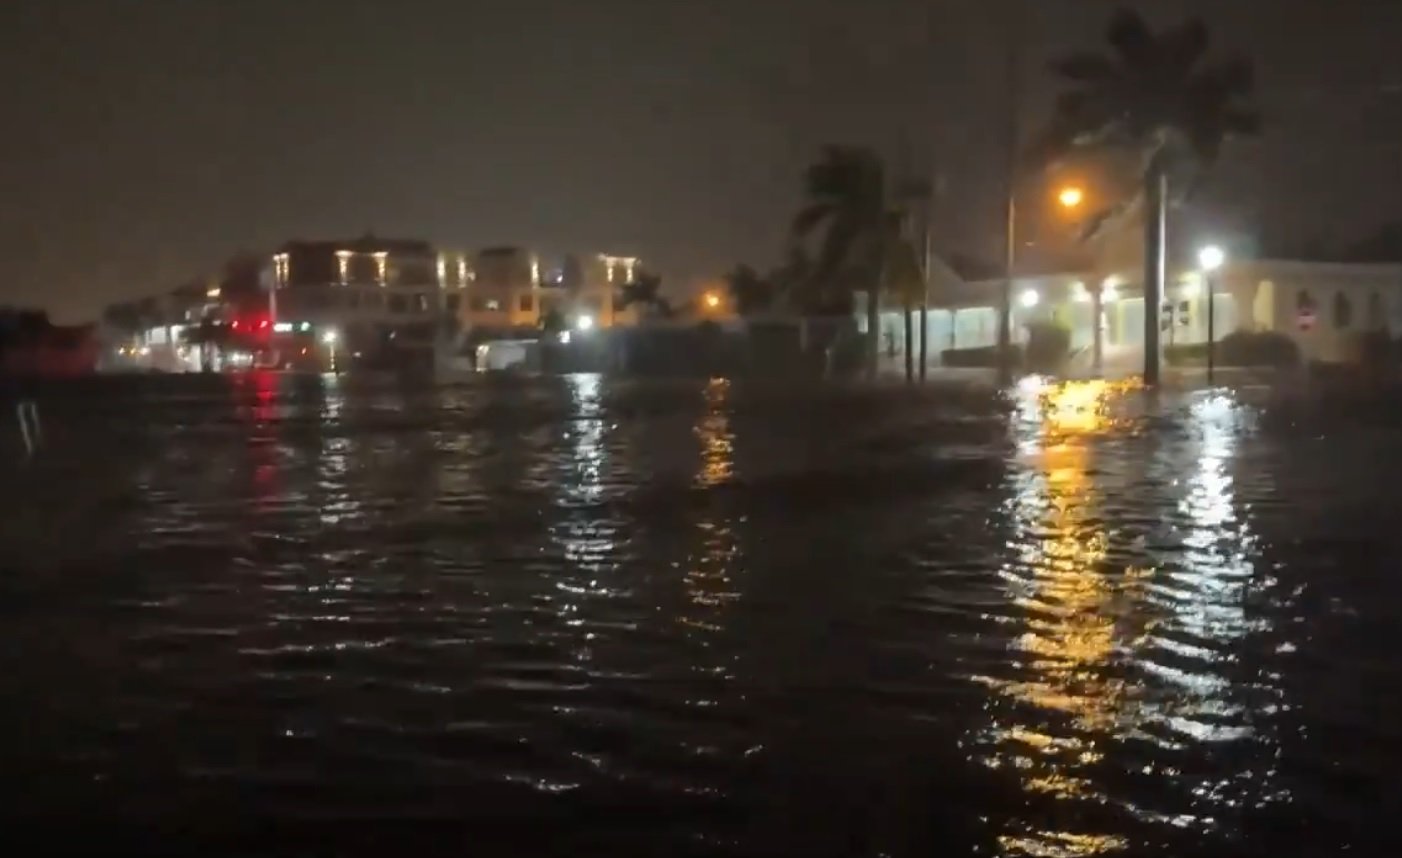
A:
(503, 291)
(373, 293)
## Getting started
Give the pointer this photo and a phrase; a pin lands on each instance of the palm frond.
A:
(1083, 118)
(1110, 219)
(1086, 68)
(1151, 98)
(809, 218)
(1240, 122)
(836, 251)
(1131, 38)
(1180, 48)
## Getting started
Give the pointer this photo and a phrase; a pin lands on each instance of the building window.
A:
(526, 303)
(1343, 311)
(420, 303)
(1303, 301)
(397, 304)
(452, 301)
(493, 305)
(477, 304)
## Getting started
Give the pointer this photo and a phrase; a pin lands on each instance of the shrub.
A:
(982, 357)
(1048, 345)
(1263, 348)
(1187, 354)
(1374, 349)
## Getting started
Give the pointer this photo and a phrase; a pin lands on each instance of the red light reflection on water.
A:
(259, 387)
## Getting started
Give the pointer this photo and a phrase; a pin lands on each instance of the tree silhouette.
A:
(750, 291)
(1152, 95)
(846, 198)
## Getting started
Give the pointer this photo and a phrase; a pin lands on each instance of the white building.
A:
(1324, 307)
(369, 295)
(503, 292)
(505, 295)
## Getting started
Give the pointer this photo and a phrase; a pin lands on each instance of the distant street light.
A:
(330, 337)
(1030, 298)
(712, 300)
(1070, 197)
(584, 323)
(1211, 258)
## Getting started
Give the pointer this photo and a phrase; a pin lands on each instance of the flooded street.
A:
(709, 618)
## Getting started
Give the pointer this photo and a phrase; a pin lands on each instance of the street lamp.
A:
(712, 300)
(1070, 197)
(330, 337)
(1210, 258)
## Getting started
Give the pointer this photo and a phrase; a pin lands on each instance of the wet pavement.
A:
(709, 617)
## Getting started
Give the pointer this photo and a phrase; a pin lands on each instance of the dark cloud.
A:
(147, 140)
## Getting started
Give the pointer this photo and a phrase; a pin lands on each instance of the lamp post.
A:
(329, 338)
(1210, 258)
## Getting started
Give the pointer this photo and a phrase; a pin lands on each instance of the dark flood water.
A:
(607, 617)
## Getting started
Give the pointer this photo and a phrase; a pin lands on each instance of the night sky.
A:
(147, 140)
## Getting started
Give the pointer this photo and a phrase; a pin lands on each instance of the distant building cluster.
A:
(368, 300)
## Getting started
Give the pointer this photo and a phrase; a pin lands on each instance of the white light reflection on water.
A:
(1203, 598)
(337, 503)
(1129, 643)
(588, 536)
(584, 482)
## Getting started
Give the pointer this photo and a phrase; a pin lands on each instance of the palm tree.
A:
(1152, 96)
(847, 196)
(750, 291)
(644, 289)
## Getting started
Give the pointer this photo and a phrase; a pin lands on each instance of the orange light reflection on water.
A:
(709, 585)
(1070, 640)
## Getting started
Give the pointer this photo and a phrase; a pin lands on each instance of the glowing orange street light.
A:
(1070, 197)
(712, 300)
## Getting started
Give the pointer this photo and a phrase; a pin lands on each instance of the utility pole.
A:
(926, 217)
(1005, 297)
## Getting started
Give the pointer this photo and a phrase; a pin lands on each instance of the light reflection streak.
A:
(1072, 638)
(1204, 601)
(337, 503)
(263, 437)
(717, 441)
(709, 585)
(588, 540)
(1112, 652)
(587, 454)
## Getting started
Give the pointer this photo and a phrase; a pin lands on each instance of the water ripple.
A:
(1082, 620)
